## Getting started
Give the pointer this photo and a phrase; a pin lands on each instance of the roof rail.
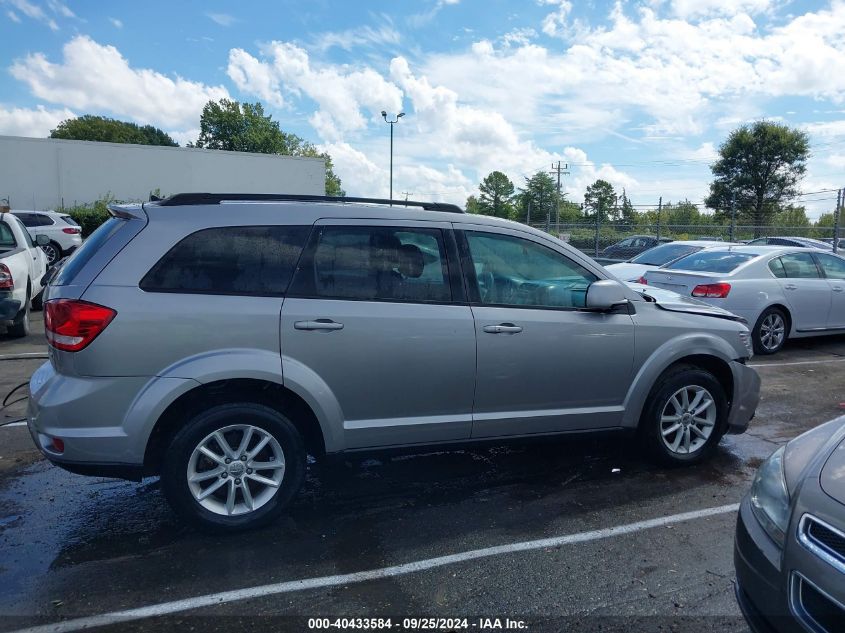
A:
(186, 199)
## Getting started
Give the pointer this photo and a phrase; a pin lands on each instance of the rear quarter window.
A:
(232, 260)
(711, 262)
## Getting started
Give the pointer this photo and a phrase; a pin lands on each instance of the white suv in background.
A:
(64, 233)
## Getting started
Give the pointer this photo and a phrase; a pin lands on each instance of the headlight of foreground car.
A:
(770, 499)
(745, 337)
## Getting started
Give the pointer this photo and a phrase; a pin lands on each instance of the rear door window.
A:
(7, 238)
(776, 266)
(25, 233)
(800, 266)
(232, 260)
(375, 263)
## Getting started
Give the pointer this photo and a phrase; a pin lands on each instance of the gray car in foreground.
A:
(790, 537)
(215, 340)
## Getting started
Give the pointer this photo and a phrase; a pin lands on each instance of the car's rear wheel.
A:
(684, 417)
(20, 326)
(53, 252)
(770, 331)
(234, 467)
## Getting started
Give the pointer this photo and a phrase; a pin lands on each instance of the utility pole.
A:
(406, 194)
(733, 217)
(391, 123)
(840, 202)
(558, 171)
(659, 211)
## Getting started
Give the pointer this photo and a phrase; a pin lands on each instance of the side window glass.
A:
(776, 266)
(800, 266)
(514, 271)
(44, 220)
(27, 218)
(833, 267)
(26, 234)
(375, 263)
(241, 260)
(7, 238)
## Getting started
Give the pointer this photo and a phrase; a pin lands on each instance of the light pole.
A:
(392, 123)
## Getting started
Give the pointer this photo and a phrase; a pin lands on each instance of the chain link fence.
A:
(596, 240)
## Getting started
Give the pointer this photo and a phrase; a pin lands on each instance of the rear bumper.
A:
(746, 397)
(9, 309)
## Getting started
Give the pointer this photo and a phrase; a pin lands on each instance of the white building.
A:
(43, 173)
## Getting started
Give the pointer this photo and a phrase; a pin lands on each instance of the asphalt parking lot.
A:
(74, 547)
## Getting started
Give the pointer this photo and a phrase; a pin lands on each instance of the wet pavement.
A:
(72, 546)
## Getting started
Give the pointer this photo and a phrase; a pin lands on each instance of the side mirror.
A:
(42, 240)
(605, 294)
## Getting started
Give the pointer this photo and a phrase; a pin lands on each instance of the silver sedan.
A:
(782, 292)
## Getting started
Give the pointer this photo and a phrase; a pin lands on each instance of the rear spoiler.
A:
(133, 212)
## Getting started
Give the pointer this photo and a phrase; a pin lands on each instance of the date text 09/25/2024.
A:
(413, 624)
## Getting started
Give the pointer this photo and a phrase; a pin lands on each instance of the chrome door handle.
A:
(319, 324)
(503, 328)
(791, 287)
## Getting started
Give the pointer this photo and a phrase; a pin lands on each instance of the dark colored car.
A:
(789, 550)
(800, 242)
(632, 246)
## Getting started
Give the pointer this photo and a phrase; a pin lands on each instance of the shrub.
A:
(91, 216)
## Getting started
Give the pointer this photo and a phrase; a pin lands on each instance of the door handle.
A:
(838, 289)
(503, 328)
(319, 324)
(791, 287)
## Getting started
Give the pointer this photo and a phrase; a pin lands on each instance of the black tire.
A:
(651, 426)
(38, 301)
(53, 252)
(763, 345)
(174, 473)
(20, 326)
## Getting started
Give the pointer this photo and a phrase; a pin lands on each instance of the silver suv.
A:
(215, 340)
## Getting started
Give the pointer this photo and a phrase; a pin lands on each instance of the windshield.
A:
(711, 261)
(665, 253)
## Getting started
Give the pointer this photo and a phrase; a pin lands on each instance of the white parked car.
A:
(783, 292)
(22, 268)
(64, 233)
(656, 257)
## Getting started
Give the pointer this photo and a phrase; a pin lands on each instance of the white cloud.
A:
(60, 8)
(346, 97)
(690, 9)
(555, 23)
(421, 19)
(383, 35)
(94, 77)
(118, 24)
(13, 16)
(33, 11)
(31, 122)
(223, 19)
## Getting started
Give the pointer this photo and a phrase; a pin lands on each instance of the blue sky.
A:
(637, 92)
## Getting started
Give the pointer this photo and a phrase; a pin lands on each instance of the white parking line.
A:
(209, 600)
(7, 426)
(799, 362)
(23, 356)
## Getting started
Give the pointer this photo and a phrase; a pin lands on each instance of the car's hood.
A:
(674, 302)
(833, 474)
(628, 271)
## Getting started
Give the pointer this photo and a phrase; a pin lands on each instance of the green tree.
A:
(540, 193)
(243, 127)
(600, 198)
(792, 216)
(627, 214)
(99, 128)
(759, 168)
(472, 205)
(683, 214)
(496, 195)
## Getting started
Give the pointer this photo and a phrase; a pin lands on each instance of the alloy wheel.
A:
(688, 419)
(772, 331)
(236, 469)
(51, 252)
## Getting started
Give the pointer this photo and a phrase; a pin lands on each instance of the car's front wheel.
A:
(234, 467)
(53, 252)
(684, 417)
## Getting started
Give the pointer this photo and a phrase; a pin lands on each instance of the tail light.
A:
(712, 291)
(6, 281)
(71, 324)
(72, 230)
(642, 280)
